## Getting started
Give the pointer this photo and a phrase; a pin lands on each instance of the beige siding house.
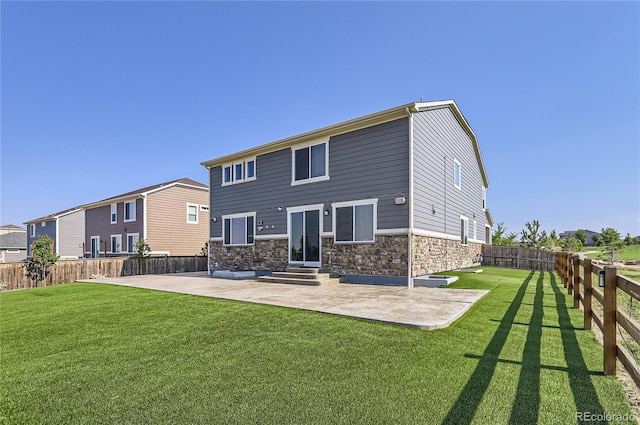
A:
(173, 218)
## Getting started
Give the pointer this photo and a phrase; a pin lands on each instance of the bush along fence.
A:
(583, 279)
(518, 257)
(13, 275)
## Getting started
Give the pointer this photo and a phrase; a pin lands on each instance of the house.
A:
(591, 240)
(172, 217)
(66, 228)
(13, 244)
(394, 195)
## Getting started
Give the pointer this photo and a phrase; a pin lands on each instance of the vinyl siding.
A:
(48, 229)
(98, 223)
(438, 139)
(367, 163)
(167, 227)
(71, 237)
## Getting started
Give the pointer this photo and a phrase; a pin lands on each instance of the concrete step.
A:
(294, 275)
(312, 279)
(308, 270)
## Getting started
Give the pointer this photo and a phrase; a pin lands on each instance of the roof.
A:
(185, 182)
(13, 227)
(356, 124)
(13, 240)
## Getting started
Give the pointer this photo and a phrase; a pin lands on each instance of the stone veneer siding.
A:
(431, 255)
(269, 255)
(386, 257)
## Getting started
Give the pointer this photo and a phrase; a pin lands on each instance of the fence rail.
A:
(577, 276)
(518, 257)
(14, 275)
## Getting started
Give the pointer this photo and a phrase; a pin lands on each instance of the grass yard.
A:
(100, 354)
(627, 253)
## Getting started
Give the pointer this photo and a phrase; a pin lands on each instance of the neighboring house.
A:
(172, 217)
(12, 228)
(66, 228)
(399, 193)
(572, 234)
(13, 245)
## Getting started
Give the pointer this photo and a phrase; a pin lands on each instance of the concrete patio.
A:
(419, 307)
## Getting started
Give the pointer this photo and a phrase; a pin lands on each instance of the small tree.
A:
(498, 238)
(532, 237)
(628, 240)
(582, 236)
(143, 250)
(610, 241)
(571, 244)
(42, 257)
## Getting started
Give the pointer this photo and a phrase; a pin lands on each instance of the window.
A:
(132, 240)
(464, 230)
(310, 163)
(475, 230)
(130, 211)
(114, 213)
(116, 244)
(239, 229)
(43, 224)
(484, 198)
(239, 171)
(33, 230)
(355, 221)
(457, 174)
(192, 214)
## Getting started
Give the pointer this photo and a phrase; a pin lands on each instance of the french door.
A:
(305, 230)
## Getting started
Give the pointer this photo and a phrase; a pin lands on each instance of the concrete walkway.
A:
(423, 308)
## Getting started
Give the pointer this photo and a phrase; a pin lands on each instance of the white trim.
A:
(133, 217)
(240, 215)
(56, 241)
(32, 231)
(144, 218)
(255, 169)
(117, 236)
(309, 144)
(478, 241)
(234, 179)
(431, 234)
(459, 185)
(230, 167)
(91, 239)
(111, 213)
(217, 239)
(271, 237)
(131, 248)
(303, 209)
(352, 204)
(484, 198)
(327, 235)
(393, 232)
(197, 207)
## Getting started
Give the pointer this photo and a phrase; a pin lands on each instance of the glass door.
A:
(304, 237)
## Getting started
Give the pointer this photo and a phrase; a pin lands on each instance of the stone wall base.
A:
(269, 255)
(431, 255)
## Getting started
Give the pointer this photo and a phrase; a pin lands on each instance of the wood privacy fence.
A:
(518, 257)
(582, 279)
(13, 275)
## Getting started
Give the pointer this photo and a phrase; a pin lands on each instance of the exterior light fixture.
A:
(601, 278)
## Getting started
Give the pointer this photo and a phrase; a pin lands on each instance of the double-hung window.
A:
(239, 229)
(464, 230)
(457, 174)
(310, 163)
(116, 244)
(114, 213)
(240, 171)
(355, 222)
(130, 211)
(192, 213)
(33, 230)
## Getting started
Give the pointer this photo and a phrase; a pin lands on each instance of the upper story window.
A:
(130, 211)
(114, 213)
(239, 229)
(484, 198)
(457, 174)
(33, 230)
(310, 163)
(355, 222)
(192, 213)
(239, 171)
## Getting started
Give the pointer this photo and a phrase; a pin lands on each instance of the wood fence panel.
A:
(518, 257)
(14, 276)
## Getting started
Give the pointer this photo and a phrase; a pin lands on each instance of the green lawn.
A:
(627, 253)
(100, 354)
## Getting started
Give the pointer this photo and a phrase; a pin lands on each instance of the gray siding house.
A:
(395, 195)
(13, 244)
(66, 228)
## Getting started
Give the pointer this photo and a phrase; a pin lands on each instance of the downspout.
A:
(144, 217)
(446, 241)
(410, 205)
(56, 241)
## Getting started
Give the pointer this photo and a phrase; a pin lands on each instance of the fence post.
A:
(576, 281)
(565, 268)
(570, 274)
(588, 292)
(609, 326)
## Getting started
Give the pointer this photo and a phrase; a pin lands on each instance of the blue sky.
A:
(100, 98)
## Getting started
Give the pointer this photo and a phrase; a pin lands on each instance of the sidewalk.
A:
(423, 308)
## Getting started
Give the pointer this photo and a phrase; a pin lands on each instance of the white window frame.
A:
(118, 243)
(196, 207)
(133, 210)
(114, 213)
(310, 179)
(43, 224)
(131, 247)
(459, 174)
(33, 230)
(243, 177)
(240, 215)
(353, 204)
(464, 230)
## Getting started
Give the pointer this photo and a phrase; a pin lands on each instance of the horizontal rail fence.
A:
(518, 257)
(14, 276)
(583, 280)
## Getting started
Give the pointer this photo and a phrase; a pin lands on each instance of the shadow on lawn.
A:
(527, 399)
